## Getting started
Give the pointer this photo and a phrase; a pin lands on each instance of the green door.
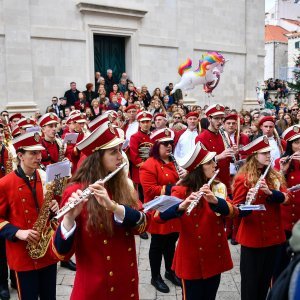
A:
(109, 52)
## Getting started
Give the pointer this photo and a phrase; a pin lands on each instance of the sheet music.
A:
(58, 170)
(161, 203)
(71, 138)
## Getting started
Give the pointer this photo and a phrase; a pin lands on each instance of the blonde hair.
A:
(252, 174)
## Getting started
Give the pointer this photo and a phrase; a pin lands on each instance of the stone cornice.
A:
(86, 7)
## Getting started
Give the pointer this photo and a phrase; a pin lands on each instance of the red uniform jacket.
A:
(18, 211)
(3, 161)
(243, 141)
(202, 250)
(290, 214)
(138, 141)
(51, 153)
(106, 266)
(214, 143)
(261, 228)
(157, 178)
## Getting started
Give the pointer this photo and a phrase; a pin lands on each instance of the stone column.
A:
(19, 77)
(254, 64)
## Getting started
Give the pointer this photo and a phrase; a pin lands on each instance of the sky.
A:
(269, 4)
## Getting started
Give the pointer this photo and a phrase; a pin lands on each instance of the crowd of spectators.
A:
(108, 94)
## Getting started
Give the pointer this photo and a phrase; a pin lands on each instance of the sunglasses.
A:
(177, 117)
(167, 143)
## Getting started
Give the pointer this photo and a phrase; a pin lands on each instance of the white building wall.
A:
(59, 45)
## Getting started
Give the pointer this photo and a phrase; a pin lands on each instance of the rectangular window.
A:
(297, 45)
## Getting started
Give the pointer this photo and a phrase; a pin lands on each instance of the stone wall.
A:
(44, 45)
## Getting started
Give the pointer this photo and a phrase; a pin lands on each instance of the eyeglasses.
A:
(295, 109)
(177, 117)
(167, 143)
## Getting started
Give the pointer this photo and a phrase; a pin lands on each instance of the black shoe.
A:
(160, 285)
(68, 264)
(144, 236)
(233, 242)
(4, 293)
(170, 275)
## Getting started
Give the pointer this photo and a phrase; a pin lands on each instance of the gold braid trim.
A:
(141, 225)
(163, 190)
(2, 224)
(59, 256)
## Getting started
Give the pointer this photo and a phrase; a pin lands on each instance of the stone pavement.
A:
(229, 287)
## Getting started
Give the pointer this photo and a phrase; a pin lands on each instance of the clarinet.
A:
(257, 186)
(224, 137)
(85, 194)
(171, 155)
(195, 202)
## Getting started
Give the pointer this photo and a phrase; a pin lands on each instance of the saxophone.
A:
(9, 162)
(38, 250)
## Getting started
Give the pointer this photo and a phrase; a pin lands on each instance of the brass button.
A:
(108, 257)
(219, 234)
(277, 227)
(219, 246)
(167, 174)
(26, 211)
(132, 295)
(29, 221)
(199, 237)
(200, 248)
(220, 256)
(292, 177)
(111, 273)
(293, 215)
(127, 233)
(195, 215)
(23, 200)
(105, 242)
(129, 249)
(293, 196)
(132, 264)
(112, 289)
(197, 225)
(133, 279)
(293, 205)
(101, 225)
(262, 214)
(20, 189)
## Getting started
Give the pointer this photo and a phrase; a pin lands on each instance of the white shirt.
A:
(132, 129)
(185, 143)
(232, 166)
(275, 152)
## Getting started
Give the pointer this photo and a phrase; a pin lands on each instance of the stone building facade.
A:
(44, 45)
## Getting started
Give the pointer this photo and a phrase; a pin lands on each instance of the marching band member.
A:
(160, 121)
(200, 258)
(261, 232)
(25, 123)
(54, 152)
(13, 119)
(213, 141)
(239, 139)
(6, 166)
(139, 148)
(101, 231)
(267, 127)
(185, 138)
(289, 165)
(158, 174)
(131, 125)
(21, 198)
(48, 123)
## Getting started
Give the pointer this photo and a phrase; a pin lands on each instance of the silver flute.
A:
(258, 184)
(227, 143)
(85, 194)
(195, 202)
(171, 155)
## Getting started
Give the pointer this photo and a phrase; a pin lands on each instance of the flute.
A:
(195, 202)
(227, 143)
(85, 194)
(171, 155)
(257, 186)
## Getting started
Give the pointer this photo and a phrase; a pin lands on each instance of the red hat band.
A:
(265, 119)
(192, 114)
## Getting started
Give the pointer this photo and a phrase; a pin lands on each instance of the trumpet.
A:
(195, 202)
(171, 155)
(257, 186)
(85, 194)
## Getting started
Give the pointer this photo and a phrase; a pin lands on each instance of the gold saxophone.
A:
(42, 226)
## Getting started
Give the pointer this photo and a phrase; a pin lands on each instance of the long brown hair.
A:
(252, 172)
(118, 187)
